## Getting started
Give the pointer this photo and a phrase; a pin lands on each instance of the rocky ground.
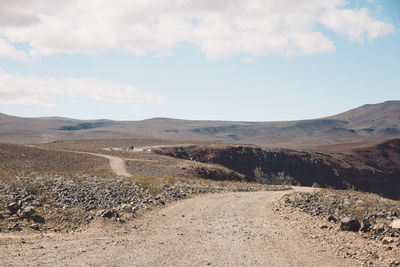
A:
(357, 225)
(49, 202)
(224, 229)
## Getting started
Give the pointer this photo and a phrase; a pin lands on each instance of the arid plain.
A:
(303, 193)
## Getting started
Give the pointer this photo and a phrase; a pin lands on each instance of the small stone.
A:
(379, 227)
(1, 216)
(350, 223)
(387, 240)
(127, 208)
(332, 218)
(35, 227)
(365, 226)
(38, 219)
(395, 224)
(36, 203)
(108, 214)
(100, 213)
(16, 227)
(13, 207)
(28, 212)
(323, 226)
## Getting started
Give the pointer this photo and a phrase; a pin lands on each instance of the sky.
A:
(237, 60)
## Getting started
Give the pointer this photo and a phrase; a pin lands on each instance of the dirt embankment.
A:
(47, 202)
(373, 169)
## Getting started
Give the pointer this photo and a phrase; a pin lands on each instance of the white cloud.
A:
(220, 28)
(355, 24)
(19, 89)
(7, 50)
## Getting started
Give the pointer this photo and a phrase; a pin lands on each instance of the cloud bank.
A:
(220, 28)
(32, 90)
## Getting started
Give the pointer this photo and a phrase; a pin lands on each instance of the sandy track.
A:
(228, 229)
(116, 164)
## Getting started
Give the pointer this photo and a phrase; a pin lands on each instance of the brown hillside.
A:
(24, 158)
(366, 123)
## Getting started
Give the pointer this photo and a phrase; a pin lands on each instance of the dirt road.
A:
(228, 229)
(117, 164)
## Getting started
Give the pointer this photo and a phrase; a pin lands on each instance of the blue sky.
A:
(231, 61)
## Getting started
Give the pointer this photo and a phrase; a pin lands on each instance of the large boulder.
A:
(350, 223)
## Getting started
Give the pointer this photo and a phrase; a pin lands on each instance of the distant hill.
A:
(366, 123)
(378, 118)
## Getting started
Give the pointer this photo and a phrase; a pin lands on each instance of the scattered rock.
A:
(16, 227)
(395, 224)
(13, 207)
(28, 212)
(127, 208)
(108, 214)
(365, 226)
(379, 227)
(100, 213)
(38, 219)
(350, 223)
(35, 226)
(387, 240)
(332, 218)
(69, 198)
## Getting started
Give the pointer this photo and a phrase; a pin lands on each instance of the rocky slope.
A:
(35, 202)
(373, 169)
(361, 226)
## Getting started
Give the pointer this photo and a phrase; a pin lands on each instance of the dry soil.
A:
(228, 229)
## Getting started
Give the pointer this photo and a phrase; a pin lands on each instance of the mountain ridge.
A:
(368, 122)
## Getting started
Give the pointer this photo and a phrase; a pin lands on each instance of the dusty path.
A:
(228, 229)
(117, 164)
